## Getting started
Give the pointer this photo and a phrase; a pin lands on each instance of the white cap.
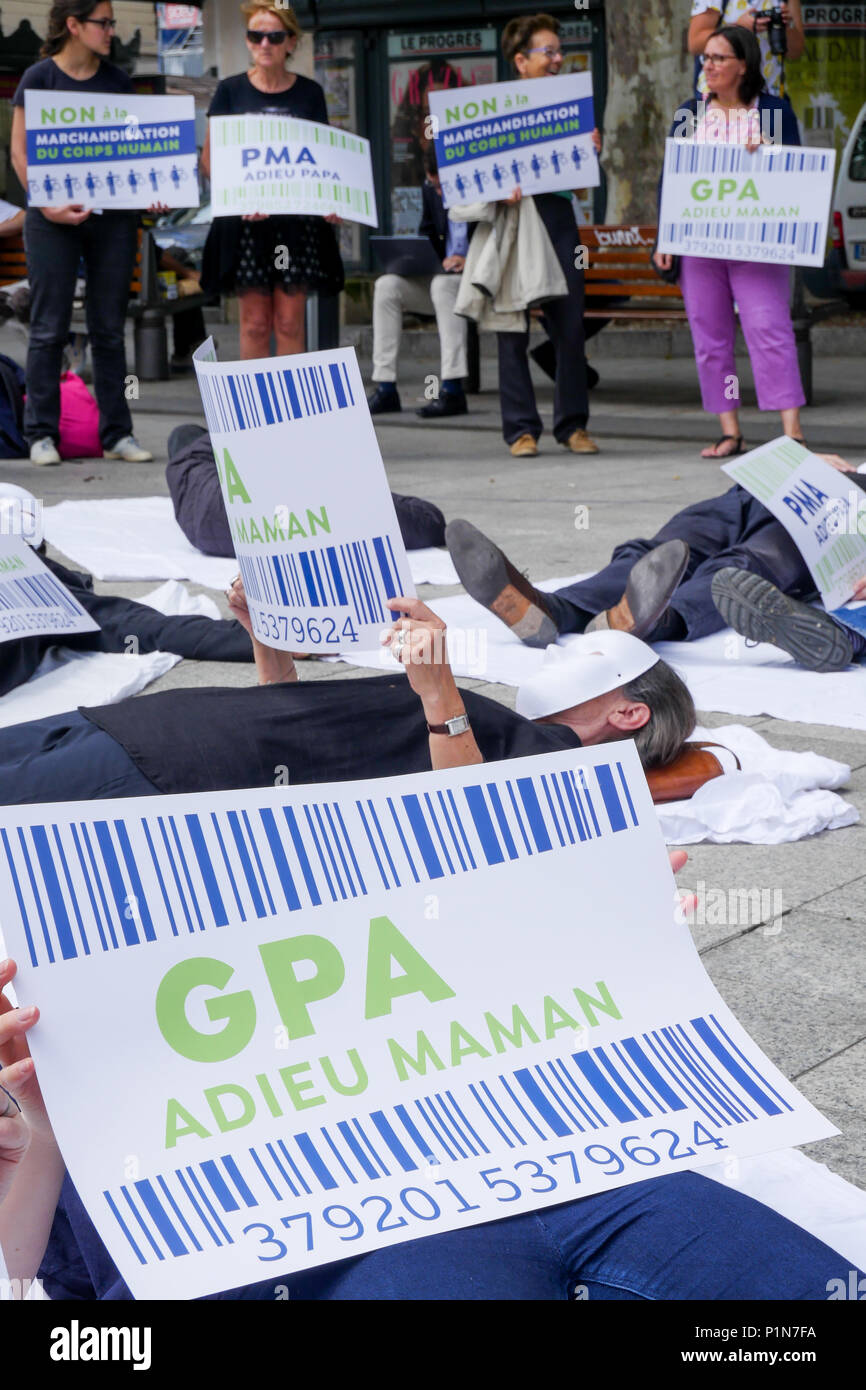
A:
(583, 667)
(20, 514)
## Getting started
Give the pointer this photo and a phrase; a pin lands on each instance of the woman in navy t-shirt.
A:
(58, 238)
(271, 262)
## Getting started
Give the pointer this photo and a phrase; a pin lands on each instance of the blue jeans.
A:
(675, 1238)
(54, 252)
(65, 758)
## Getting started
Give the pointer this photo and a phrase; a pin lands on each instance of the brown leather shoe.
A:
(580, 443)
(489, 576)
(649, 589)
(524, 448)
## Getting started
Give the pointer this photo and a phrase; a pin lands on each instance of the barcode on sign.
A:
(37, 591)
(799, 236)
(360, 575)
(250, 400)
(685, 157)
(694, 1066)
(79, 886)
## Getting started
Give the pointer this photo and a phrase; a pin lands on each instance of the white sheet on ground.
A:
(779, 796)
(138, 538)
(66, 679)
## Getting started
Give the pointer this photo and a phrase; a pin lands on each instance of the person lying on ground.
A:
(218, 739)
(662, 590)
(125, 626)
(195, 490)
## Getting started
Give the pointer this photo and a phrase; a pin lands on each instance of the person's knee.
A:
(289, 315)
(388, 289)
(256, 313)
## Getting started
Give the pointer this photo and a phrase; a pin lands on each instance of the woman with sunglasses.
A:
(271, 262)
(738, 110)
(58, 238)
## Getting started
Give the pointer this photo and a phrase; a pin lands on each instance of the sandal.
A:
(732, 453)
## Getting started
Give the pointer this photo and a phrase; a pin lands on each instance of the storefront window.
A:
(420, 63)
(337, 69)
(827, 84)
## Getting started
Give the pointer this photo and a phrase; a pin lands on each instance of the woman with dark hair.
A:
(531, 45)
(739, 111)
(271, 262)
(58, 238)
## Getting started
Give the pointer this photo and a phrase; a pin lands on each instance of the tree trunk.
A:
(649, 74)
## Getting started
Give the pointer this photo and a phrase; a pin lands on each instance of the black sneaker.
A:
(447, 403)
(385, 400)
(760, 612)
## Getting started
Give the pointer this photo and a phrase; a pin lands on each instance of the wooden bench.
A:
(620, 264)
(147, 308)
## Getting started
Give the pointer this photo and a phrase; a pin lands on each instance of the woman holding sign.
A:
(58, 238)
(738, 111)
(270, 262)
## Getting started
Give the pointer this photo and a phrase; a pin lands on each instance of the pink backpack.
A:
(79, 420)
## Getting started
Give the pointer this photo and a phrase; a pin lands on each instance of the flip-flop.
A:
(738, 440)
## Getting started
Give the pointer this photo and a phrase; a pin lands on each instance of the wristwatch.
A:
(452, 727)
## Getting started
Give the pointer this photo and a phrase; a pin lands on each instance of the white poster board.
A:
(282, 164)
(122, 151)
(33, 602)
(312, 521)
(822, 511)
(535, 134)
(722, 202)
(311, 1022)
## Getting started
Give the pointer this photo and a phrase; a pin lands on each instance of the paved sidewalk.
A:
(801, 991)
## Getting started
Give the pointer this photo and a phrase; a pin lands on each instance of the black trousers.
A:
(564, 320)
(125, 626)
(106, 243)
(734, 529)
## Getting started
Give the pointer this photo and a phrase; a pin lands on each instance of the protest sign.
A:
(534, 134)
(312, 520)
(722, 202)
(822, 511)
(116, 151)
(316, 1021)
(283, 164)
(33, 602)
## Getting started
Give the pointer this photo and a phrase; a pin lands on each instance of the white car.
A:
(849, 214)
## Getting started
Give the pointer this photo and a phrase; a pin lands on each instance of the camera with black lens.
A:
(777, 33)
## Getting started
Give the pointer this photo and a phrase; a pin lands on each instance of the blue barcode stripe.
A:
(534, 1094)
(438, 1131)
(403, 840)
(219, 1186)
(302, 1182)
(444, 807)
(338, 1156)
(258, 858)
(604, 777)
(49, 945)
(85, 873)
(246, 863)
(458, 820)
(384, 568)
(502, 820)
(287, 883)
(488, 1114)
(144, 1229)
(526, 1116)
(431, 811)
(229, 870)
(746, 1063)
(552, 1082)
(388, 1134)
(533, 814)
(572, 1089)
(519, 818)
(160, 1217)
(633, 1100)
(506, 1119)
(479, 1141)
(577, 815)
(327, 840)
(602, 1087)
(308, 1149)
(300, 850)
(197, 1208)
(73, 896)
(553, 816)
(175, 875)
(264, 1172)
(334, 369)
(454, 1125)
(237, 1178)
(483, 824)
(123, 1226)
(321, 857)
(281, 1170)
(423, 837)
(345, 1129)
(207, 1203)
(730, 1062)
(652, 1074)
(563, 811)
(700, 1077)
(182, 1221)
(656, 1047)
(62, 925)
(360, 877)
(179, 850)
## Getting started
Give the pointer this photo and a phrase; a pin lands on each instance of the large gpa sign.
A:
(279, 164)
(332, 1018)
(534, 135)
(115, 152)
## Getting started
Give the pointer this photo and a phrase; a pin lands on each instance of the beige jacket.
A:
(511, 265)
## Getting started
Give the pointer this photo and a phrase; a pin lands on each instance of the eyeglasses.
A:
(547, 50)
(709, 59)
(103, 23)
(260, 36)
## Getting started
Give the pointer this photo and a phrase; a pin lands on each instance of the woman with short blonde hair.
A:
(271, 261)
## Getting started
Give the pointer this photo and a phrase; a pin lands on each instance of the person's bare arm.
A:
(204, 157)
(13, 225)
(417, 640)
(700, 28)
(273, 667)
(793, 17)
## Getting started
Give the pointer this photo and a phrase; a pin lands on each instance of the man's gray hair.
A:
(672, 714)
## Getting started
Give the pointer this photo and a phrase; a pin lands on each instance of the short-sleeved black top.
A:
(47, 76)
(320, 731)
(236, 96)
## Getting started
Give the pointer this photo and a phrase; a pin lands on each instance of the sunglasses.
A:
(258, 36)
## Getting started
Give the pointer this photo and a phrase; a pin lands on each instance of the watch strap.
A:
(452, 728)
